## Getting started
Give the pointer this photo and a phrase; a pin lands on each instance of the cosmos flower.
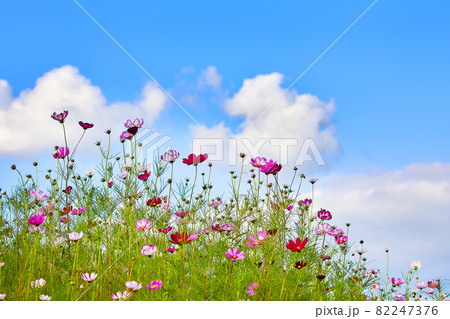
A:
(143, 224)
(415, 265)
(341, 240)
(195, 159)
(38, 283)
(396, 283)
(45, 298)
(397, 296)
(133, 285)
(234, 254)
(78, 211)
(258, 162)
(90, 172)
(313, 180)
(300, 264)
(215, 203)
(85, 126)
(123, 175)
(271, 167)
(254, 242)
(182, 214)
(421, 285)
(148, 250)
(61, 152)
(123, 137)
(298, 245)
(153, 202)
(170, 156)
(75, 236)
(136, 123)
(119, 296)
(60, 117)
(36, 219)
(323, 214)
(144, 177)
(38, 196)
(89, 277)
(154, 285)
(361, 250)
(323, 229)
(2, 296)
(251, 288)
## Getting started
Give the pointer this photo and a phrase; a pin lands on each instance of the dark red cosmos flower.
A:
(67, 190)
(60, 117)
(298, 245)
(154, 202)
(66, 210)
(133, 130)
(320, 277)
(180, 239)
(85, 125)
(195, 159)
(144, 176)
(300, 264)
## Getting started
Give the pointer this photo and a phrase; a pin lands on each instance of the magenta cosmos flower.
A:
(251, 288)
(258, 162)
(305, 203)
(323, 229)
(38, 196)
(195, 159)
(78, 211)
(165, 230)
(75, 236)
(60, 117)
(133, 285)
(85, 126)
(36, 219)
(271, 167)
(170, 156)
(323, 214)
(341, 240)
(143, 224)
(125, 136)
(397, 282)
(215, 203)
(61, 152)
(154, 285)
(136, 123)
(234, 254)
(182, 214)
(262, 237)
(144, 177)
(89, 277)
(119, 296)
(148, 250)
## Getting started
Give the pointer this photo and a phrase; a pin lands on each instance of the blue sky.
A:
(387, 77)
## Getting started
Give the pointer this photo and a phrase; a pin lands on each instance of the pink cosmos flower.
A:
(85, 126)
(375, 285)
(36, 219)
(64, 219)
(166, 206)
(2, 296)
(60, 117)
(182, 214)
(258, 162)
(133, 285)
(125, 136)
(341, 240)
(421, 285)
(305, 203)
(433, 283)
(262, 237)
(78, 211)
(62, 152)
(234, 254)
(75, 236)
(323, 214)
(148, 250)
(45, 298)
(271, 167)
(170, 156)
(195, 159)
(215, 203)
(397, 282)
(251, 288)
(323, 229)
(154, 285)
(38, 196)
(165, 230)
(143, 224)
(144, 177)
(122, 175)
(431, 291)
(89, 277)
(119, 296)
(38, 283)
(370, 273)
(397, 296)
(337, 232)
(226, 227)
(136, 123)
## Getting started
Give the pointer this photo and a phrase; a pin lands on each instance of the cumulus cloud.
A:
(210, 77)
(25, 124)
(404, 210)
(296, 125)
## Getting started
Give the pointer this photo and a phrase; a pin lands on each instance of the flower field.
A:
(144, 234)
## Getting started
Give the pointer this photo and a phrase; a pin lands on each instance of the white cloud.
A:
(26, 126)
(210, 77)
(292, 119)
(404, 210)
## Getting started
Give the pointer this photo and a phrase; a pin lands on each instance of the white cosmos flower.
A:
(415, 265)
(45, 298)
(38, 283)
(361, 250)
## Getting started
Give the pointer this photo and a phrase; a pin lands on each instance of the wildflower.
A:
(251, 288)
(166, 206)
(122, 175)
(323, 229)
(262, 237)
(195, 159)
(154, 285)
(36, 220)
(258, 162)
(133, 285)
(121, 296)
(38, 196)
(154, 202)
(78, 211)
(298, 245)
(38, 283)
(271, 167)
(421, 285)
(337, 232)
(90, 172)
(415, 265)
(62, 152)
(234, 254)
(148, 250)
(341, 240)
(324, 214)
(2, 296)
(64, 219)
(85, 126)
(433, 283)
(289, 207)
(67, 190)
(182, 214)
(45, 298)
(215, 203)
(226, 227)
(396, 283)
(313, 180)
(136, 123)
(180, 239)
(431, 291)
(397, 296)
(75, 236)
(375, 285)
(2, 264)
(144, 177)
(171, 249)
(60, 117)
(89, 277)
(125, 136)
(361, 250)
(305, 203)
(143, 224)
(110, 184)
(370, 273)
(300, 264)
(170, 156)
(59, 241)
